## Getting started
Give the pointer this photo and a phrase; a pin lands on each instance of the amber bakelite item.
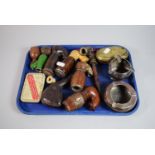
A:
(34, 53)
(79, 77)
(52, 95)
(58, 53)
(77, 100)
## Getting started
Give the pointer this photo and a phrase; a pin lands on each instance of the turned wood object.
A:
(78, 100)
(58, 53)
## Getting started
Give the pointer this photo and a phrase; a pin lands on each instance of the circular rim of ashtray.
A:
(120, 107)
(118, 75)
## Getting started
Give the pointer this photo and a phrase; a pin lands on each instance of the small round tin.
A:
(104, 55)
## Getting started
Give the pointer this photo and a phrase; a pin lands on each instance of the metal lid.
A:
(104, 55)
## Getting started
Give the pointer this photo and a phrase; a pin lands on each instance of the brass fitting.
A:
(85, 50)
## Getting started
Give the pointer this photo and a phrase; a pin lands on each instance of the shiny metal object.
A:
(85, 50)
(120, 68)
(104, 55)
(120, 96)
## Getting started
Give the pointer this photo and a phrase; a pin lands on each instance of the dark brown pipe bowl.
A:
(77, 100)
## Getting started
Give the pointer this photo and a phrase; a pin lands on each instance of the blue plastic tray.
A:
(40, 109)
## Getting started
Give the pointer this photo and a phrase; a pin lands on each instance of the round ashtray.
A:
(120, 96)
(120, 68)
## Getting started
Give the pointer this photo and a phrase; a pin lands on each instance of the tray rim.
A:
(78, 114)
